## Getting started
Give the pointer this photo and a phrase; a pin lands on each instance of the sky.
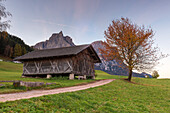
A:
(86, 20)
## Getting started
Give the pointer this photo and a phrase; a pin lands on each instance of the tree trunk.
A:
(130, 75)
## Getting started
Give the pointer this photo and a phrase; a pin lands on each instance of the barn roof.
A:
(59, 52)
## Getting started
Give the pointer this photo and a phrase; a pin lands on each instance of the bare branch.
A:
(4, 14)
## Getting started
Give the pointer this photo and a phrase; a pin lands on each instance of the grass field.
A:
(144, 95)
(103, 75)
(11, 71)
(118, 96)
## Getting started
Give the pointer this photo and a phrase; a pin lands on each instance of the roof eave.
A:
(43, 57)
(96, 55)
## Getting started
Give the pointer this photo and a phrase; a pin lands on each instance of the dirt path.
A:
(37, 93)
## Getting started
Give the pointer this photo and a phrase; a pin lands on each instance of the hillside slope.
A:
(10, 67)
(12, 46)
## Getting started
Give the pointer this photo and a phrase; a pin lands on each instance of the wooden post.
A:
(84, 77)
(71, 76)
(25, 68)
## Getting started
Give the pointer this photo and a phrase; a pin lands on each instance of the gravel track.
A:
(38, 93)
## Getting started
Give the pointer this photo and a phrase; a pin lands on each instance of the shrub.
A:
(155, 74)
(96, 74)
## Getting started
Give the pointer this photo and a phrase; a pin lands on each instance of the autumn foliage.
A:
(130, 44)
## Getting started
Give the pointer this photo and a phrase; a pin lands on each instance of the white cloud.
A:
(53, 23)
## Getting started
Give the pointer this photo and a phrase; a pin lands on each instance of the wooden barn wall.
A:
(83, 64)
(48, 66)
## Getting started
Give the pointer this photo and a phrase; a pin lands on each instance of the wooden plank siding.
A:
(47, 66)
(83, 64)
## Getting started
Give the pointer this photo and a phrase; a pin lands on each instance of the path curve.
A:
(37, 93)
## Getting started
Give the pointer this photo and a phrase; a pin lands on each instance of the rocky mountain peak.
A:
(98, 44)
(61, 33)
(56, 40)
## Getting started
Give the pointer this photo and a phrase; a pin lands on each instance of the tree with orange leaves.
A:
(132, 45)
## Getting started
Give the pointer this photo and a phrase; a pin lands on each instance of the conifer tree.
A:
(17, 50)
(24, 51)
(7, 51)
(11, 52)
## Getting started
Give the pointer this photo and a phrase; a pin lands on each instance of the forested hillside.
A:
(12, 46)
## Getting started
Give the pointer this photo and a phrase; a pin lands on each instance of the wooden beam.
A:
(56, 65)
(26, 68)
(52, 65)
(69, 65)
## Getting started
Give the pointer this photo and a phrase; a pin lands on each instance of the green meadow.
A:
(143, 95)
(11, 71)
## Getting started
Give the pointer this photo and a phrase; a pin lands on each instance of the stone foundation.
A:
(30, 84)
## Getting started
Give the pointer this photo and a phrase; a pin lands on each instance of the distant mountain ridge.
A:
(113, 67)
(57, 40)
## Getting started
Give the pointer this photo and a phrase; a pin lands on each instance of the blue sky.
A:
(86, 20)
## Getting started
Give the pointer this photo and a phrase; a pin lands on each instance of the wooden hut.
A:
(72, 61)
